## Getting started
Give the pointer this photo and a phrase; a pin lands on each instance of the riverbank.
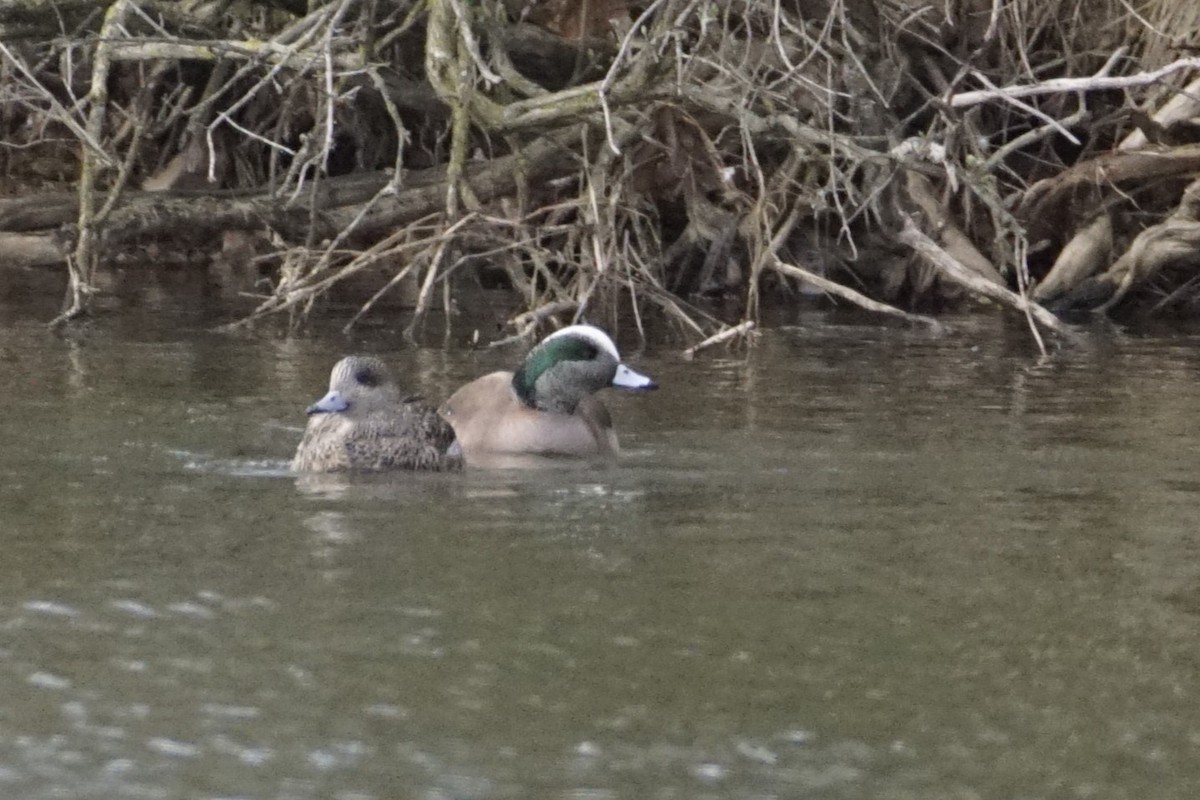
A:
(665, 160)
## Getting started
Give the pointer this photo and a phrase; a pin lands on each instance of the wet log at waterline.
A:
(1084, 276)
(1174, 242)
(1087, 253)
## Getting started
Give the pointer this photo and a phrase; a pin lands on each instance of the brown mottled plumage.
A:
(547, 407)
(363, 423)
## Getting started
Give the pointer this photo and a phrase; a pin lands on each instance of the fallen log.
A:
(1085, 255)
(332, 207)
(24, 250)
(1171, 242)
(1050, 205)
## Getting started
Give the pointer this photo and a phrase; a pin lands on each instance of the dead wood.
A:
(1101, 80)
(1048, 206)
(1088, 252)
(38, 211)
(845, 293)
(733, 332)
(24, 250)
(1173, 242)
(333, 206)
(1181, 107)
(611, 158)
(960, 274)
(947, 234)
(26, 19)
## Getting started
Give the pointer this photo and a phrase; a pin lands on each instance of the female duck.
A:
(547, 407)
(363, 423)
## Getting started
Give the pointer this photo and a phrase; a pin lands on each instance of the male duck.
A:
(363, 423)
(547, 407)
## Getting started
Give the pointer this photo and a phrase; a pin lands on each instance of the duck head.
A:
(358, 384)
(571, 364)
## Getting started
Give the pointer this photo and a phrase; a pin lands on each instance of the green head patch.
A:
(546, 356)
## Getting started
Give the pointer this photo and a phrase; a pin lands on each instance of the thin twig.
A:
(846, 293)
(81, 264)
(611, 75)
(732, 332)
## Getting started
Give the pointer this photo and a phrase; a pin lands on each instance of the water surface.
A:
(860, 562)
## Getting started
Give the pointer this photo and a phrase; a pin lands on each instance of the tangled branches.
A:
(612, 158)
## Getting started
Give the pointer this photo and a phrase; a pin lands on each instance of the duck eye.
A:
(576, 349)
(366, 377)
(583, 351)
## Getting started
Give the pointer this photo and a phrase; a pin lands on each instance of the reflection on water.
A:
(861, 563)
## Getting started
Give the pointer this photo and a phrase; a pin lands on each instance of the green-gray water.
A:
(862, 562)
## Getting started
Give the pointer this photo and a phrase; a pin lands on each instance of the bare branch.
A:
(1060, 85)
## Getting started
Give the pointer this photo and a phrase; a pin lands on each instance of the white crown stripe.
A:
(592, 334)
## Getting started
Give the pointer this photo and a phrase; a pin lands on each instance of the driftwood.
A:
(1175, 241)
(1082, 276)
(1086, 254)
(846, 293)
(960, 274)
(1182, 107)
(951, 238)
(1170, 243)
(1080, 190)
(1100, 81)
